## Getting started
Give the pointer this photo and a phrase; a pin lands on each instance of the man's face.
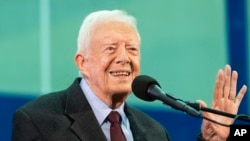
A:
(114, 58)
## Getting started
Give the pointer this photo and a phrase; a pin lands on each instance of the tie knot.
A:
(114, 117)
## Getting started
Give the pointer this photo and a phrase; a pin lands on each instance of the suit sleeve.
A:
(23, 128)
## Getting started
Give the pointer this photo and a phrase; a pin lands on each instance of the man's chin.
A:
(122, 92)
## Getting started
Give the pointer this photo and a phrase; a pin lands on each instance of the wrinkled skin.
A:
(111, 62)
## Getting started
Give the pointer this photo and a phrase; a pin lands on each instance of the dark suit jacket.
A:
(67, 116)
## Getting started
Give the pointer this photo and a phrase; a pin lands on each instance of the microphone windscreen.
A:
(140, 86)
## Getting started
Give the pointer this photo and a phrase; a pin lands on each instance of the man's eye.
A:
(133, 49)
(111, 48)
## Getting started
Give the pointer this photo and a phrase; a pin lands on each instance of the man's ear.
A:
(80, 61)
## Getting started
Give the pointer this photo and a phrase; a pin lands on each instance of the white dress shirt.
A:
(101, 111)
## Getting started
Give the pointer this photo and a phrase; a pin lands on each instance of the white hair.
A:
(101, 16)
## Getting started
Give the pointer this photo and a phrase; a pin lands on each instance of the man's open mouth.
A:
(120, 73)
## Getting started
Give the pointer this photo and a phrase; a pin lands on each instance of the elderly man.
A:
(108, 58)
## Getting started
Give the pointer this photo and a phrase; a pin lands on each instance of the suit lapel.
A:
(85, 124)
(137, 131)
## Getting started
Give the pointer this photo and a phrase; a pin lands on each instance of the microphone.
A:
(148, 89)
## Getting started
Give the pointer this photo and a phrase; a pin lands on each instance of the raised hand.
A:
(225, 99)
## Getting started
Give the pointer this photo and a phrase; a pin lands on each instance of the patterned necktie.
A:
(116, 133)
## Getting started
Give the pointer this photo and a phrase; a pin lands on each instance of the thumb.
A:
(202, 103)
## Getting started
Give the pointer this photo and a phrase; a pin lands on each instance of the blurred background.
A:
(184, 44)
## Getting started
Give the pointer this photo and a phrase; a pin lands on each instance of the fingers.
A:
(241, 94)
(219, 84)
(227, 84)
(233, 87)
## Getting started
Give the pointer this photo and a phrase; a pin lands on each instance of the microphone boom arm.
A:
(199, 108)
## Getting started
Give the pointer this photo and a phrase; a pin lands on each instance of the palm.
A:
(226, 100)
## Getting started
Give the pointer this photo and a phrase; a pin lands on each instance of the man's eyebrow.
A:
(133, 44)
(110, 43)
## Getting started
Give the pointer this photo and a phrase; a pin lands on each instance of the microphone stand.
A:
(199, 108)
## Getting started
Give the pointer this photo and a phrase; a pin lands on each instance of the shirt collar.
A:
(100, 109)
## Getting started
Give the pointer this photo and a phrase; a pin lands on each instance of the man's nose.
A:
(123, 56)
